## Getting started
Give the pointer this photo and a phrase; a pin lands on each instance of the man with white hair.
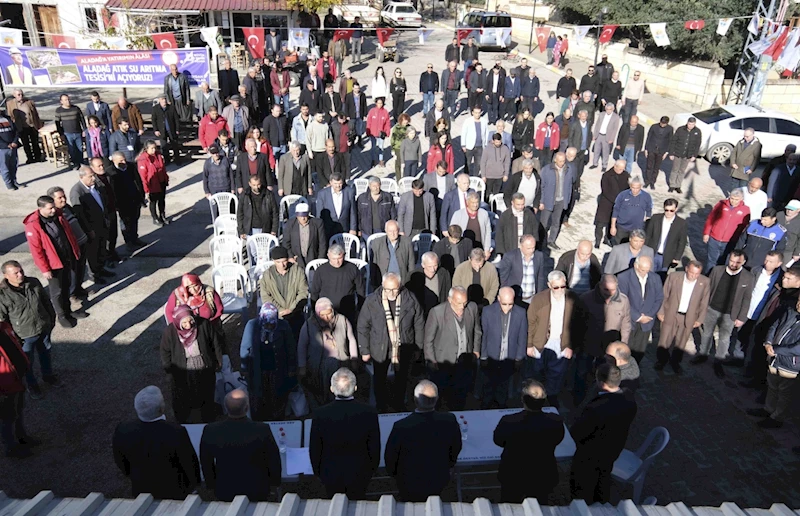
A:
(390, 331)
(505, 336)
(374, 209)
(632, 207)
(645, 294)
(345, 442)
(745, 157)
(452, 345)
(423, 447)
(554, 321)
(155, 454)
(393, 253)
(429, 282)
(205, 98)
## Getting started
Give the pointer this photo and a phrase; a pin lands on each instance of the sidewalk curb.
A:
(643, 118)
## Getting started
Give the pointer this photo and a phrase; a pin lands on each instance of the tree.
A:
(313, 6)
(703, 44)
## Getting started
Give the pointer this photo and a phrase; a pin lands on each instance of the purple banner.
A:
(64, 68)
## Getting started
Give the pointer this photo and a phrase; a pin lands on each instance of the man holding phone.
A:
(744, 159)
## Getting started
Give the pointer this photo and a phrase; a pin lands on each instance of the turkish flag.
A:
(542, 33)
(255, 41)
(383, 34)
(463, 34)
(776, 48)
(343, 34)
(61, 41)
(695, 24)
(608, 32)
(164, 40)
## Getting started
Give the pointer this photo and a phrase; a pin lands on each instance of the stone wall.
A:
(779, 94)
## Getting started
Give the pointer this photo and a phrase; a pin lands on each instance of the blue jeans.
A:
(741, 183)
(630, 156)
(279, 151)
(285, 99)
(451, 101)
(427, 101)
(549, 370)
(716, 252)
(359, 125)
(75, 147)
(377, 148)
(411, 168)
(8, 167)
(40, 344)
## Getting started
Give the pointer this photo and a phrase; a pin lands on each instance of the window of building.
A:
(90, 16)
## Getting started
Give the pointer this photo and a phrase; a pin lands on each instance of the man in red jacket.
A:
(723, 226)
(210, 126)
(55, 251)
(13, 364)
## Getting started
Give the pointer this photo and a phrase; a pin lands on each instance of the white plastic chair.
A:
(389, 185)
(226, 225)
(477, 184)
(312, 266)
(497, 203)
(288, 202)
(423, 243)
(361, 185)
(631, 467)
(347, 241)
(225, 249)
(259, 246)
(405, 184)
(255, 273)
(220, 204)
(229, 279)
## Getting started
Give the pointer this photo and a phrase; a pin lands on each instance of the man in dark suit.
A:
(101, 110)
(157, 455)
(332, 163)
(645, 293)
(666, 234)
(228, 80)
(336, 207)
(600, 433)
(89, 200)
(429, 282)
(166, 125)
(423, 447)
(438, 183)
(355, 107)
(238, 455)
(505, 335)
(311, 97)
(529, 437)
(507, 232)
(434, 115)
(523, 270)
(525, 181)
(345, 442)
(454, 200)
(317, 242)
(331, 103)
(260, 163)
(275, 128)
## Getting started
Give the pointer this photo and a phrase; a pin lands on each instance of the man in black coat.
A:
(157, 455)
(130, 196)
(423, 447)
(261, 164)
(438, 111)
(332, 163)
(600, 433)
(588, 272)
(228, 80)
(507, 233)
(331, 103)
(375, 343)
(89, 200)
(453, 52)
(276, 130)
(345, 441)
(515, 264)
(447, 255)
(355, 107)
(669, 247)
(238, 455)
(311, 97)
(257, 210)
(529, 437)
(317, 242)
(426, 276)
(166, 125)
(656, 148)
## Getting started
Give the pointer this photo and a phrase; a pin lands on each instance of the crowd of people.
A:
(478, 312)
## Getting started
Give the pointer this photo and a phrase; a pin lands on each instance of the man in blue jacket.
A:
(126, 141)
(557, 179)
(645, 293)
(762, 235)
(505, 337)
(101, 110)
(632, 207)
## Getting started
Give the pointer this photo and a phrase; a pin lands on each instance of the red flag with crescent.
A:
(383, 34)
(608, 32)
(343, 34)
(254, 36)
(542, 33)
(463, 34)
(61, 41)
(164, 40)
(695, 24)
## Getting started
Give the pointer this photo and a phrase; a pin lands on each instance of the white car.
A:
(398, 14)
(724, 126)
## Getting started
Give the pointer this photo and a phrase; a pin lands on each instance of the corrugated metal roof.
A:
(45, 503)
(199, 5)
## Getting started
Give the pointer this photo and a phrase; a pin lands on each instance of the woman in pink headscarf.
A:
(191, 353)
(203, 301)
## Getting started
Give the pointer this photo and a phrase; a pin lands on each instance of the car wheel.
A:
(719, 153)
(294, 79)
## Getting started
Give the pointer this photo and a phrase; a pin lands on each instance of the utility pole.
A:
(533, 28)
(751, 66)
(600, 16)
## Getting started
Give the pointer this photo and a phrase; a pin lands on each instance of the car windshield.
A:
(405, 9)
(713, 115)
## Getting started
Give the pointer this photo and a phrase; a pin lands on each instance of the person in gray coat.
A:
(390, 332)
(410, 155)
(392, 253)
(452, 346)
(205, 98)
(416, 211)
(287, 184)
(557, 181)
(473, 211)
(622, 255)
(604, 134)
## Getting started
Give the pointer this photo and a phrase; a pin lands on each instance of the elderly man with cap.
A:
(16, 73)
(284, 285)
(238, 117)
(304, 237)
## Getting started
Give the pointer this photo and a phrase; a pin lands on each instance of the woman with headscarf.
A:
(191, 353)
(201, 299)
(269, 359)
(325, 344)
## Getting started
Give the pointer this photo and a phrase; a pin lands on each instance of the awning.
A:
(200, 5)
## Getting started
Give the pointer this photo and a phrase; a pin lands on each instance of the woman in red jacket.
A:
(441, 150)
(547, 139)
(378, 131)
(153, 172)
(210, 126)
(13, 365)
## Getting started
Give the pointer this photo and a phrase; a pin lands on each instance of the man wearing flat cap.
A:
(285, 286)
(304, 237)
